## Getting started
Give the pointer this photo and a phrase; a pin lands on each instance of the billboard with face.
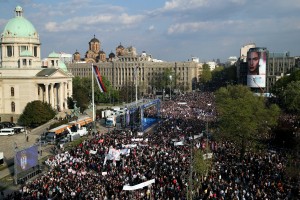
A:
(256, 62)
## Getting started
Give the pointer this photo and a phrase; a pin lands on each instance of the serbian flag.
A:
(99, 79)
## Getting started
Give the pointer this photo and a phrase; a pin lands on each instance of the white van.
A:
(7, 131)
(19, 129)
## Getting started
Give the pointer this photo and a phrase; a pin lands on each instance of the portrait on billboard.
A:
(256, 62)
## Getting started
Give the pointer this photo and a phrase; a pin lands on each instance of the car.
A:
(42, 142)
(8, 124)
(61, 143)
(63, 140)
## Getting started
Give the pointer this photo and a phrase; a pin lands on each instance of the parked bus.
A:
(82, 121)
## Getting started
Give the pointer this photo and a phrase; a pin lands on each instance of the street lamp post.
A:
(170, 85)
(208, 105)
(136, 84)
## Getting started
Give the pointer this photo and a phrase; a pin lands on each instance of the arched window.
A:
(12, 91)
(13, 107)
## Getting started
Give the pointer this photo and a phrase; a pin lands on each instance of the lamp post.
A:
(170, 85)
(136, 84)
(208, 105)
(190, 184)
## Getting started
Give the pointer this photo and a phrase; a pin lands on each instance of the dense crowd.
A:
(104, 164)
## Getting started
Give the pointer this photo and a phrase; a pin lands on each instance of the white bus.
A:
(7, 131)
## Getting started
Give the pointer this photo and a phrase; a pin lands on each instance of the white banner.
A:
(129, 145)
(138, 186)
(125, 151)
(140, 133)
(178, 143)
(93, 152)
(137, 139)
(207, 156)
(198, 136)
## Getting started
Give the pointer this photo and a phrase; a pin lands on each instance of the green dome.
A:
(62, 66)
(19, 26)
(53, 55)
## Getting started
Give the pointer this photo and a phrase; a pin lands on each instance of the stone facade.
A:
(23, 78)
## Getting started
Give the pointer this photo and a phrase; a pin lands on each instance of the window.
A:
(24, 62)
(13, 107)
(35, 51)
(9, 51)
(12, 91)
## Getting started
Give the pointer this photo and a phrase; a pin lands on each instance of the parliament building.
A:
(23, 76)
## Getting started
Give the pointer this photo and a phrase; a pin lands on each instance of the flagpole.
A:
(93, 97)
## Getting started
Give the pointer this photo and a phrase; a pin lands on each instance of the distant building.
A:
(231, 61)
(23, 78)
(244, 50)
(212, 65)
(119, 68)
(277, 65)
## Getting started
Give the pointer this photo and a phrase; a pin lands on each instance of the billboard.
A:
(26, 159)
(257, 63)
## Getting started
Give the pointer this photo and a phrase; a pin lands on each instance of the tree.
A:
(126, 92)
(82, 92)
(200, 167)
(292, 97)
(244, 118)
(36, 113)
(205, 77)
(206, 74)
(279, 89)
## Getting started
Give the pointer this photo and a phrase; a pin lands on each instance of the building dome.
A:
(111, 55)
(120, 46)
(19, 26)
(62, 66)
(94, 40)
(53, 55)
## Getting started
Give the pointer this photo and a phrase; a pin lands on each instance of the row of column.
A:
(56, 95)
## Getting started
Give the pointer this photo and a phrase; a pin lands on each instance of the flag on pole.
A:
(99, 79)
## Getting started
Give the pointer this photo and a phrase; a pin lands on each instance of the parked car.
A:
(61, 143)
(8, 124)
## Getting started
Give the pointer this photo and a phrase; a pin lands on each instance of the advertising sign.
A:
(256, 62)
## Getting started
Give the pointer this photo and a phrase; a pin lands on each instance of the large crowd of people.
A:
(155, 164)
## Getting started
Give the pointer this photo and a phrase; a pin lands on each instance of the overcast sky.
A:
(173, 30)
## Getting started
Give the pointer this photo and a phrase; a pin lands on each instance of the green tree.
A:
(292, 97)
(36, 113)
(82, 92)
(206, 74)
(201, 167)
(279, 89)
(243, 117)
(126, 93)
